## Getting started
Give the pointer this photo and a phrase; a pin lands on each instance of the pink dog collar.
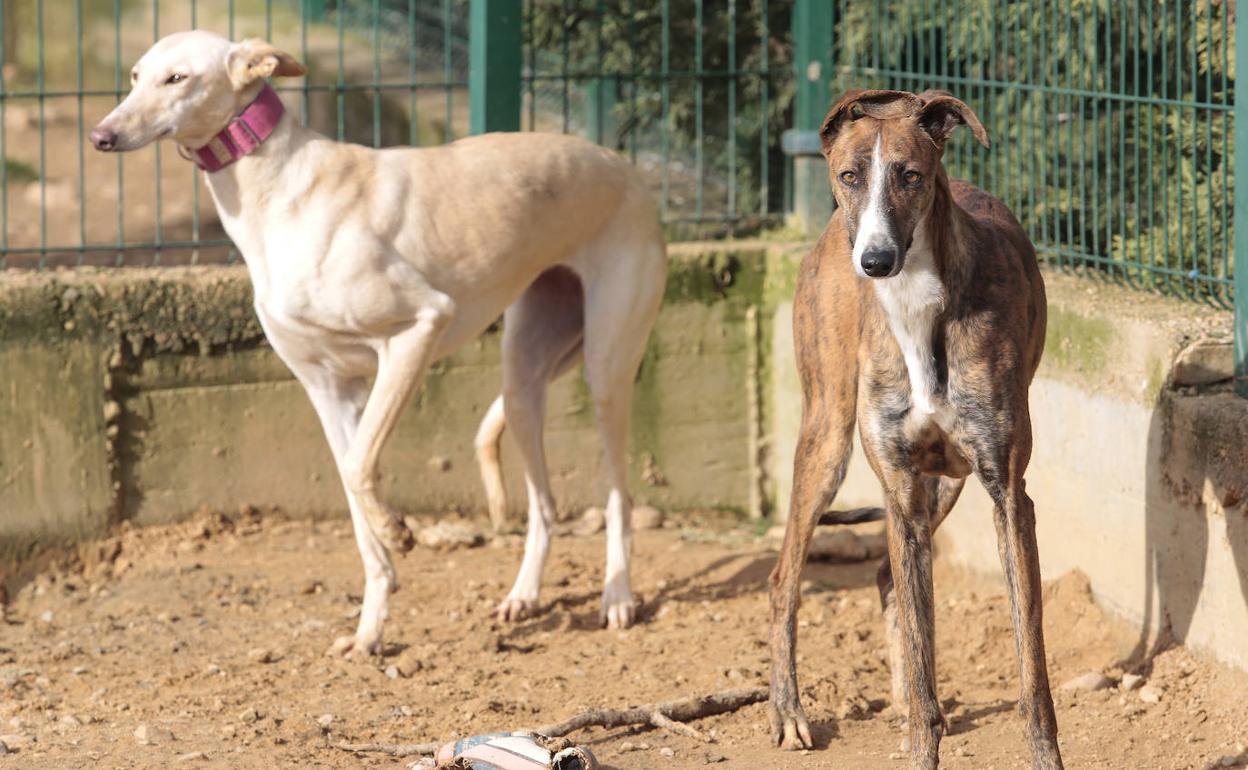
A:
(243, 134)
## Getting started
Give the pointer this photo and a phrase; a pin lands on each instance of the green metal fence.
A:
(381, 72)
(1112, 120)
(696, 92)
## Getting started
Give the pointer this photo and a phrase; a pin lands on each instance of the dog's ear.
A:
(941, 113)
(857, 103)
(254, 59)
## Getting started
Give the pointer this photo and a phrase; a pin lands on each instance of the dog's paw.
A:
(352, 648)
(789, 728)
(513, 609)
(618, 613)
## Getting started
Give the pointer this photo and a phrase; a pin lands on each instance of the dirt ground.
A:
(216, 631)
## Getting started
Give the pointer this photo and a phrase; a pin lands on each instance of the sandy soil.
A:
(216, 630)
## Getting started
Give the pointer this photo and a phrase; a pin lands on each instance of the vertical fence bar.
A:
(4, 165)
(665, 87)
(1240, 220)
(449, 131)
(157, 231)
(82, 188)
(732, 115)
(813, 67)
(43, 143)
(376, 12)
(494, 59)
(764, 142)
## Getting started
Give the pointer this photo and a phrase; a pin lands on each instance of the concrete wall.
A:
(146, 395)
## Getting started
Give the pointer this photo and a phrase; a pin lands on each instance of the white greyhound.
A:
(376, 263)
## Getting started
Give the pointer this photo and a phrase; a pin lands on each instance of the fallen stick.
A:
(667, 716)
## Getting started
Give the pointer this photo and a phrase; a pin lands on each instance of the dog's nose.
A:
(878, 263)
(104, 139)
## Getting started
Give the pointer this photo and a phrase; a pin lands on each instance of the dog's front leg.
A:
(1015, 518)
(338, 403)
(823, 450)
(402, 363)
(910, 560)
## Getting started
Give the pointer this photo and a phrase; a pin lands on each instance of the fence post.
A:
(812, 59)
(494, 58)
(601, 95)
(1240, 220)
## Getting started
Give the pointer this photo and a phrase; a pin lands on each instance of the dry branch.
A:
(667, 716)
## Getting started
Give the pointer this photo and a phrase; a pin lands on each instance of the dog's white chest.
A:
(912, 301)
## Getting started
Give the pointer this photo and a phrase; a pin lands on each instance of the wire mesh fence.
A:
(381, 72)
(1111, 122)
(1111, 119)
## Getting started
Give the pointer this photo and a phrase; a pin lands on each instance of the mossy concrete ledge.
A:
(147, 394)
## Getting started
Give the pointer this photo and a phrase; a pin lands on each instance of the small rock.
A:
(667, 752)
(212, 670)
(153, 735)
(1131, 682)
(647, 517)
(69, 720)
(229, 731)
(439, 463)
(4, 748)
(1204, 362)
(855, 707)
(409, 662)
(249, 715)
(1089, 682)
(593, 521)
(191, 756)
(1150, 693)
(1229, 761)
(448, 535)
(325, 720)
(392, 672)
(263, 655)
(713, 758)
(311, 587)
(47, 617)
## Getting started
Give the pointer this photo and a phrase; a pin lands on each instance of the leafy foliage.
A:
(712, 124)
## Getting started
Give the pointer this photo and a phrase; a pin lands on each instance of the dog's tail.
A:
(855, 516)
(487, 445)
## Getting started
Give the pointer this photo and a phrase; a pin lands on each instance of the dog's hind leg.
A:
(541, 331)
(942, 494)
(338, 404)
(622, 301)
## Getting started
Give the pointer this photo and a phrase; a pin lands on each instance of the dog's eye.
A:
(849, 178)
(175, 78)
(912, 177)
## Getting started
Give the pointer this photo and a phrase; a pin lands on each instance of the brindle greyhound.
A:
(920, 314)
